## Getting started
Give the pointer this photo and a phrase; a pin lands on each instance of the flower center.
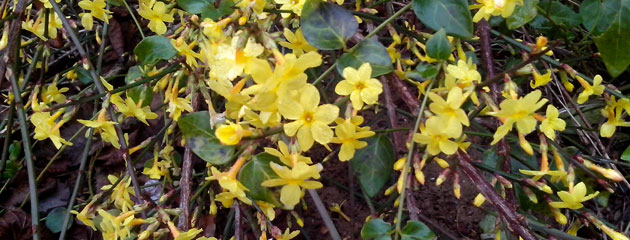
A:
(360, 86)
(499, 3)
(308, 117)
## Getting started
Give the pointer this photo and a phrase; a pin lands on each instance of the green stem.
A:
(30, 168)
(412, 147)
(324, 214)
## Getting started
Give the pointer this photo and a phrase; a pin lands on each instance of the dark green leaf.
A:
(154, 48)
(193, 6)
(522, 14)
(143, 92)
(254, 173)
(225, 8)
(438, 46)
(376, 229)
(373, 164)
(132, 74)
(416, 230)
(560, 14)
(200, 137)
(84, 75)
(452, 15)
(54, 220)
(613, 45)
(597, 15)
(371, 51)
(626, 154)
(327, 26)
(423, 72)
(11, 166)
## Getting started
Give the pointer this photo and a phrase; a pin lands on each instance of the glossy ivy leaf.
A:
(83, 75)
(194, 6)
(54, 220)
(154, 48)
(376, 229)
(373, 164)
(522, 14)
(368, 50)
(626, 154)
(598, 15)
(416, 230)
(327, 26)
(255, 172)
(559, 13)
(438, 46)
(200, 137)
(452, 15)
(614, 43)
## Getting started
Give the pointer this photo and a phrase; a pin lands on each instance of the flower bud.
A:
(479, 199)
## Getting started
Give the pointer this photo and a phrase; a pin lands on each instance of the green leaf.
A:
(423, 72)
(522, 14)
(376, 229)
(452, 15)
(194, 6)
(200, 137)
(84, 75)
(560, 14)
(416, 230)
(143, 92)
(370, 51)
(154, 48)
(327, 26)
(225, 8)
(597, 15)
(254, 173)
(54, 220)
(373, 164)
(438, 46)
(613, 45)
(626, 154)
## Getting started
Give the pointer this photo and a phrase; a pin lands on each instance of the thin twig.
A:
(332, 230)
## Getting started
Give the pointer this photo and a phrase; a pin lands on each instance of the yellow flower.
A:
(159, 169)
(293, 5)
(232, 187)
(310, 120)
(47, 3)
(435, 136)
(46, 127)
(540, 80)
(348, 137)
(130, 108)
(186, 50)
(117, 227)
(520, 112)
(104, 128)
(287, 235)
(231, 61)
(450, 110)
(552, 123)
(296, 42)
(187, 235)
(176, 104)
(595, 89)
(292, 180)
(613, 111)
(267, 209)
(157, 14)
(286, 156)
(120, 194)
(53, 94)
(37, 26)
(86, 215)
(214, 30)
(573, 198)
(231, 133)
(488, 8)
(97, 10)
(360, 85)
(464, 74)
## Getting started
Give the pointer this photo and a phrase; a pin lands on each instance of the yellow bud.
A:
(389, 190)
(443, 163)
(419, 176)
(242, 20)
(213, 207)
(399, 183)
(560, 218)
(479, 199)
(527, 148)
(399, 164)
(442, 177)
(4, 41)
(231, 133)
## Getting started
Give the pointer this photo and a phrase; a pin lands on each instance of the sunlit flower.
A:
(552, 123)
(293, 5)
(359, 84)
(488, 8)
(104, 128)
(186, 50)
(348, 136)
(292, 180)
(129, 108)
(96, 9)
(540, 80)
(231, 133)
(157, 14)
(595, 89)
(120, 195)
(435, 136)
(53, 94)
(176, 105)
(450, 110)
(286, 156)
(573, 198)
(520, 112)
(47, 127)
(296, 42)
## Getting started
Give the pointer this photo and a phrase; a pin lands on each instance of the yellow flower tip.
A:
(479, 199)
(527, 148)
(443, 163)
(560, 218)
(231, 133)
(400, 164)
(419, 176)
